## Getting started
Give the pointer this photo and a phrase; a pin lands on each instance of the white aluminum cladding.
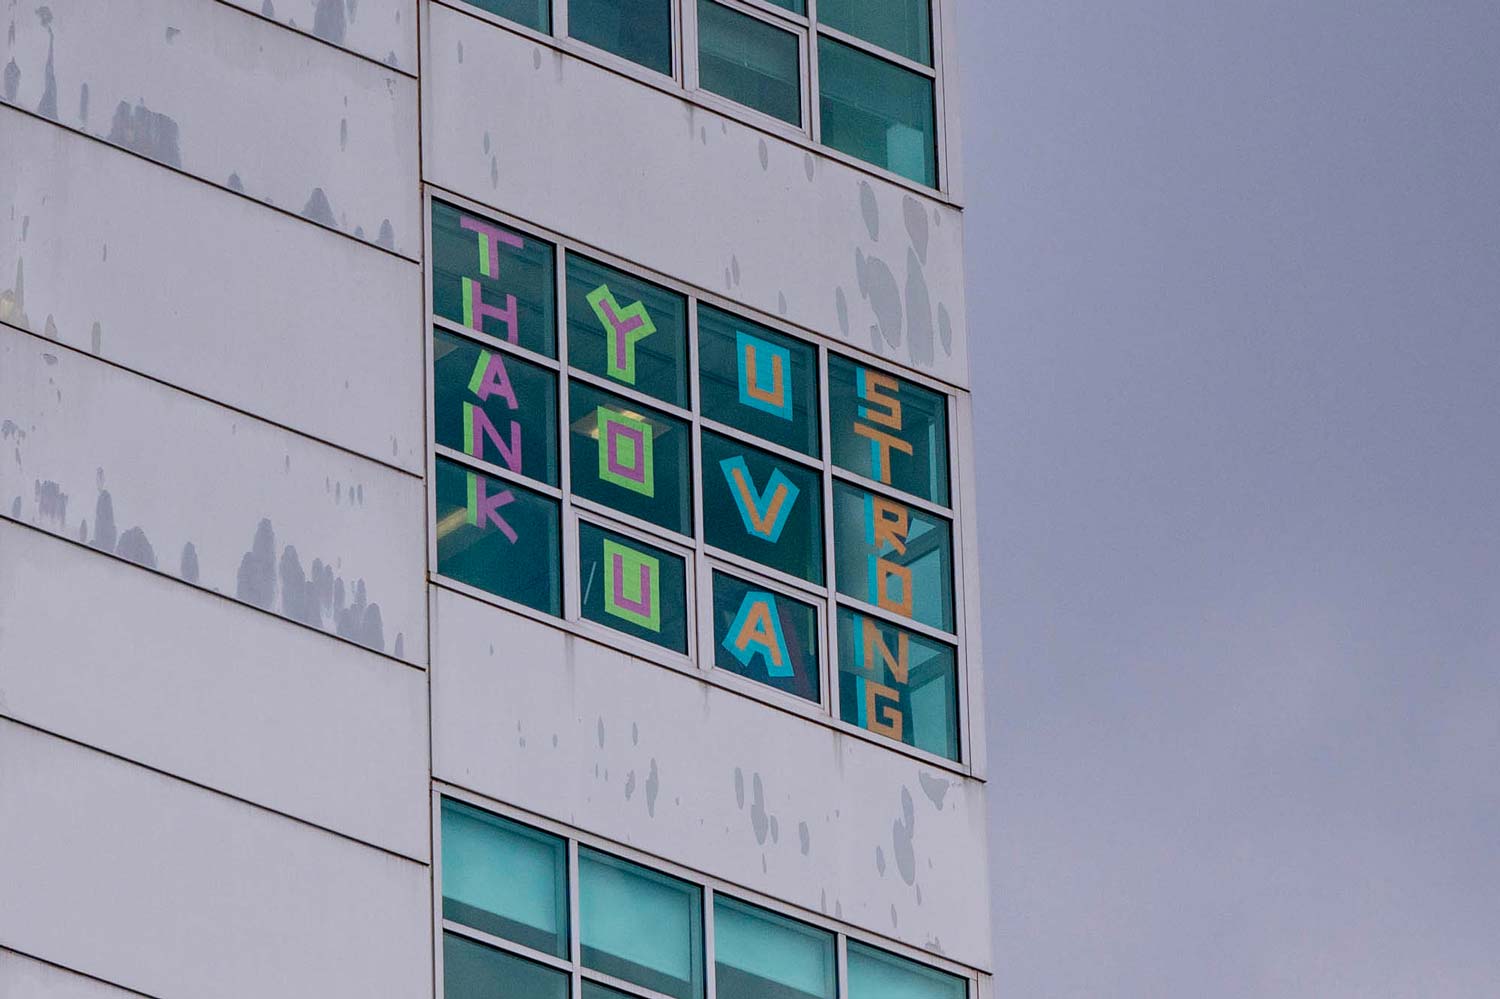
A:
(94, 253)
(694, 194)
(236, 700)
(385, 30)
(232, 99)
(644, 755)
(136, 877)
(219, 499)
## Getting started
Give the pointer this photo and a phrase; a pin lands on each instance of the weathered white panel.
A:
(176, 891)
(22, 977)
(646, 175)
(641, 754)
(381, 29)
(224, 501)
(232, 99)
(237, 700)
(210, 292)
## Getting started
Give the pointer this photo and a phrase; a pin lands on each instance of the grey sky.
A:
(1234, 290)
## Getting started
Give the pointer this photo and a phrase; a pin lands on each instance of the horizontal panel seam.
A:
(409, 74)
(7, 948)
(198, 178)
(7, 715)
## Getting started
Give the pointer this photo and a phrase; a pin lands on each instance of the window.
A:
(766, 636)
(505, 878)
(535, 14)
(875, 974)
(898, 683)
(750, 61)
(506, 900)
(900, 26)
(751, 501)
(640, 926)
(633, 587)
(761, 955)
(638, 30)
(878, 111)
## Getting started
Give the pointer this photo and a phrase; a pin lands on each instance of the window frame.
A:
(708, 885)
(701, 558)
(683, 81)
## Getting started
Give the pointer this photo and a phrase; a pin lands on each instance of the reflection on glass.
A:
(638, 30)
(762, 507)
(888, 429)
(473, 971)
(627, 330)
(877, 111)
(633, 587)
(894, 556)
(494, 406)
(630, 457)
(749, 61)
(761, 634)
(499, 537)
(762, 955)
(875, 974)
(758, 380)
(504, 878)
(640, 926)
(898, 683)
(494, 279)
(901, 26)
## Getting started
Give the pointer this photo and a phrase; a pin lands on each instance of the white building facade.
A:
(487, 503)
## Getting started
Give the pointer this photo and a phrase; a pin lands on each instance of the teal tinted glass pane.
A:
(888, 429)
(894, 556)
(627, 330)
(795, 6)
(532, 13)
(638, 30)
(494, 406)
(765, 636)
(494, 279)
(633, 587)
(631, 458)
(499, 537)
(877, 111)
(902, 26)
(874, 974)
(763, 507)
(640, 926)
(749, 61)
(505, 879)
(758, 380)
(473, 971)
(761, 955)
(898, 684)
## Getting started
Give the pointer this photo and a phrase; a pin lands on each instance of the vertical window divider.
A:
(688, 22)
(677, 12)
(559, 19)
(842, 957)
(710, 976)
(829, 637)
(702, 574)
(814, 102)
(572, 602)
(575, 929)
(436, 854)
(962, 533)
(935, 50)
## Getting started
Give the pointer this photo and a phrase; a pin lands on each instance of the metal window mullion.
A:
(568, 553)
(963, 532)
(710, 962)
(575, 929)
(939, 104)
(429, 443)
(688, 21)
(879, 52)
(915, 627)
(507, 945)
(705, 607)
(559, 18)
(830, 556)
(437, 892)
(842, 961)
(626, 392)
(490, 342)
(754, 440)
(496, 471)
(676, 31)
(848, 478)
(814, 103)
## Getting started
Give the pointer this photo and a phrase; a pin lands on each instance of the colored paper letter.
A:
(756, 631)
(625, 452)
(764, 373)
(476, 311)
(632, 586)
(764, 512)
(623, 328)
(478, 426)
(491, 378)
(490, 238)
(484, 510)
